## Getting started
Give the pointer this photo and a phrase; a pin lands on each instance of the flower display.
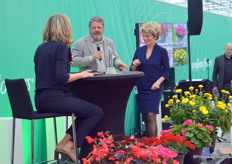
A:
(180, 56)
(128, 151)
(198, 134)
(201, 107)
(177, 143)
(180, 31)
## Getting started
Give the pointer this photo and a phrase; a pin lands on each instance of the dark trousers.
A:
(59, 101)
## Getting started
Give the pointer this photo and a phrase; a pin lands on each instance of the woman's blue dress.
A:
(154, 67)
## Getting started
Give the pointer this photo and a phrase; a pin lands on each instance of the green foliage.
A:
(198, 134)
(201, 107)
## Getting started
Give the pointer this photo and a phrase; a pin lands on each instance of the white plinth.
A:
(5, 141)
(159, 121)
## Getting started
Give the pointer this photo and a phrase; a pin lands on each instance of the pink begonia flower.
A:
(169, 131)
(188, 122)
(183, 132)
(199, 125)
(132, 137)
(209, 127)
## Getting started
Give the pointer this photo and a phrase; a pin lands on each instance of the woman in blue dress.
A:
(153, 60)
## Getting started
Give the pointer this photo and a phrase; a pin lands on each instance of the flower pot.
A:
(180, 158)
(212, 147)
(180, 39)
(193, 157)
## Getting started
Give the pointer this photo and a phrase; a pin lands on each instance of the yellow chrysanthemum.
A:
(193, 111)
(165, 120)
(170, 102)
(223, 90)
(219, 102)
(208, 95)
(192, 103)
(229, 105)
(230, 97)
(187, 93)
(192, 96)
(166, 116)
(178, 90)
(200, 86)
(205, 112)
(210, 98)
(166, 105)
(226, 111)
(177, 101)
(174, 96)
(201, 108)
(191, 88)
(185, 100)
(221, 106)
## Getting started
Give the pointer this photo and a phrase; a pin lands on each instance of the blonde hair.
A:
(152, 28)
(58, 29)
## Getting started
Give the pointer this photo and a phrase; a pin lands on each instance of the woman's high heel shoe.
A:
(64, 156)
(56, 155)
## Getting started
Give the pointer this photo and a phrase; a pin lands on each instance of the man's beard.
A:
(97, 37)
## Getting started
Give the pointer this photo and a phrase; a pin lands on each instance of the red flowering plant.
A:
(130, 150)
(177, 143)
(198, 134)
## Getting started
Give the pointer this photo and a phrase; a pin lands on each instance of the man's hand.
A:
(122, 66)
(215, 89)
(72, 61)
(97, 55)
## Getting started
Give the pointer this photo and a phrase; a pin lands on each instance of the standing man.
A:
(222, 73)
(94, 51)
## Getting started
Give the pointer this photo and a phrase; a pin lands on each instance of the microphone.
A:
(98, 48)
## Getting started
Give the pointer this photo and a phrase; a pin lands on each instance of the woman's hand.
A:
(136, 62)
(85, 74)
(155, 86)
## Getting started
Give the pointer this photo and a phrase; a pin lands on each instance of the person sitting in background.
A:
(154, 62)
(52, 70)
(95, 51)
(222, 72)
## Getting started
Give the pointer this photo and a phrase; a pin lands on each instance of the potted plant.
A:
(198, 134)
(200, 107)
(176, 143)
(130, 150)
(180, 56)
(180, 31)
(164, 29)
